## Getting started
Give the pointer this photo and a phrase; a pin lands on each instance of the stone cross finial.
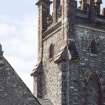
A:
(1, 52)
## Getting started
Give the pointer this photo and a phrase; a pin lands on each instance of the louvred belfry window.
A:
(59, 7)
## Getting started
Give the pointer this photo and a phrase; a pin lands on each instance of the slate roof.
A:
(13, 91)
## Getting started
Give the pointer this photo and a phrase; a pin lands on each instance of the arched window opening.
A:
(59, 8)
(50, 17)
(84, 5)
(56, 10)
(93, 47)
(77, 3)
(51, 51)
(51, 7)
(93, 90)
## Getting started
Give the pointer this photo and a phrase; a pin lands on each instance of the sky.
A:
(18, 36)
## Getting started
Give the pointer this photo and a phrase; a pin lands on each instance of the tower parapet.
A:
(85, 5)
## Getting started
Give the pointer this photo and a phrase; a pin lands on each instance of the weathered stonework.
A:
(75, 75)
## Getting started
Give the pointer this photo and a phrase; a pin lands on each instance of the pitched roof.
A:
(13, 91)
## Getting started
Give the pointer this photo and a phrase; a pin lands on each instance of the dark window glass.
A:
(93, 46)
(51, 51)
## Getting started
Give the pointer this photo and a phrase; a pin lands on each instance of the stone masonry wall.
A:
(88, 63)
(52, 71)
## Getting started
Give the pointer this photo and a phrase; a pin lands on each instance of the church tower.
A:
(71, 60)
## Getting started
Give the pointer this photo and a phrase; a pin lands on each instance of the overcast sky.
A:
(18, 35)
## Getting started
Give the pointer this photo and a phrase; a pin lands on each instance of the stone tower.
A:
(71, 62)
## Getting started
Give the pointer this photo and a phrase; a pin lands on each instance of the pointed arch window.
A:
(51, 51)
(93, 47)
